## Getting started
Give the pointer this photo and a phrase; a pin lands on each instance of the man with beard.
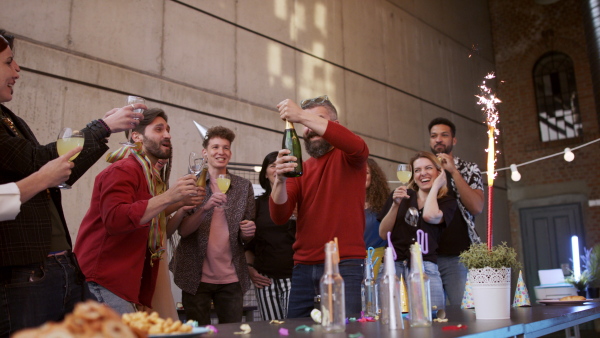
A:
(465, 184)
(121, 238)
(330, 197)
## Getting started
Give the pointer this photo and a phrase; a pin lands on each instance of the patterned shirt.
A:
(461, 232)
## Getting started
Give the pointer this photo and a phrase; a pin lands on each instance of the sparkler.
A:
(488, 101)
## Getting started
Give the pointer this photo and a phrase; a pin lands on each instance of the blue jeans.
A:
(107, 297)
(436, 289)
(33, 294)
(305, 286)
(454, 277)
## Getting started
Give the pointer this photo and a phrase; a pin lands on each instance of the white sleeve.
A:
(10, 201)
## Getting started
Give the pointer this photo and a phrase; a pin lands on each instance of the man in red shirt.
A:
(330, 197)
(113, 247)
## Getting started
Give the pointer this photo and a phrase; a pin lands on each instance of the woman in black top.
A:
(425, 207)
(269, 254)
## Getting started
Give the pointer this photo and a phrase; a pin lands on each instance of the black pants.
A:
(227, 299)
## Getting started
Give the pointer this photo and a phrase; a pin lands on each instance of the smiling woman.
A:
(9, 71)
(426, 192)
(38, 240)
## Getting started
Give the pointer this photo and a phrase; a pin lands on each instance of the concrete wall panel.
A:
(363, 38)
(265, 70)
(319, 29)
(199, 50)
(46, 21)
(128, 33)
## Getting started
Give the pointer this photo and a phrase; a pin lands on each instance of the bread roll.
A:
(572, 298)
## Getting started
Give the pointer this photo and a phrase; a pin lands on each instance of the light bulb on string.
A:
(569, 156)
(515, 175)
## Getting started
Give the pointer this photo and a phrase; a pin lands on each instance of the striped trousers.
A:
(273, 299)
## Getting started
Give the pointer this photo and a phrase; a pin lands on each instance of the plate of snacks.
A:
(157, 327)
(568, 300)
(196, 331)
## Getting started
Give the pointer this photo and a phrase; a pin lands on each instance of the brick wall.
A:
(522, 32)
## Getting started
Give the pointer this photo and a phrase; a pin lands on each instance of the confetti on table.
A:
(454, 327)
(304, 328)
(245, 329)
(276, 322)
(356, 335)
(212, 329)
(441, 320)
(284, 332)
(351, 319)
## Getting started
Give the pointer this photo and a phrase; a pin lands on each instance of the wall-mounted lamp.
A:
(515, 175)
(569, 156)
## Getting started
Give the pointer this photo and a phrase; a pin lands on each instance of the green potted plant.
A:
(590, 265)
(489, 277)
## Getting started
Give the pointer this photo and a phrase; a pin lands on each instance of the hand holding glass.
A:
(131, 100)
(68, 139)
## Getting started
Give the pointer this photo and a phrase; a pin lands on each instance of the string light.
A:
(515, 175)
(569, 156)
(563, 153)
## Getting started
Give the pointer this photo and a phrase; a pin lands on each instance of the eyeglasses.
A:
(319, 99)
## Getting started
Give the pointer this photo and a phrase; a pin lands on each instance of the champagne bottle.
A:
(201, 180)
(333, 308)
(292, 143)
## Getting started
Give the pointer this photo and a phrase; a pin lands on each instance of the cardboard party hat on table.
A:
(467, 301)
(521, 293)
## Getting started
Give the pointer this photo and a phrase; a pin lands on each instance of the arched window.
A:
(556, 95)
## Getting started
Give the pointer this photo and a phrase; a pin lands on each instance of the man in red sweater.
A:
(113, 247)
(330, 197)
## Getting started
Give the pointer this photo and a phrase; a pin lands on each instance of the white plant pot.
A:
(491, 292)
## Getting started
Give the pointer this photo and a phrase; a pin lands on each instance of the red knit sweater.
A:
(331, 199)
(112, 245)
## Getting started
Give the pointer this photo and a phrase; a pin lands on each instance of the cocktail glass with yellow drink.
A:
(223, 181)
(404, 173)
(67, 140)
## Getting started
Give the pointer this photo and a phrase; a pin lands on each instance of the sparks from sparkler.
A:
(488, 101)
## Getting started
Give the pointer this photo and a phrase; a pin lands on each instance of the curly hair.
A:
(378, 191)
(425, 154)
(220, 132)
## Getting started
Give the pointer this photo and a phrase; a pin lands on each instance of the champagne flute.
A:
(68, 139)
(223, 181)
(131, 99)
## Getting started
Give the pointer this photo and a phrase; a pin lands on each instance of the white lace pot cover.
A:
(489, 275)
(491, 292)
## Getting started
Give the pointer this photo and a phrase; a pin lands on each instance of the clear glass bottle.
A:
(368, 292)
(419, 296)
(389, 293)
(333, 304)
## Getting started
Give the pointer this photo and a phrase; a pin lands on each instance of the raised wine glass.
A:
(196, 164)
(223, 181)
(68, 139)
(131, 99)
(404, 173)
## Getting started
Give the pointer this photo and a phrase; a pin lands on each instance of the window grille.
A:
(556, 96)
